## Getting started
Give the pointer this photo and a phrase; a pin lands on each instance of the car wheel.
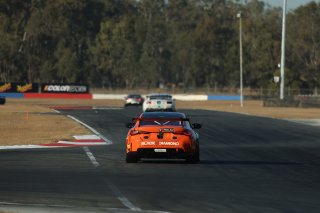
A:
(195, 157)
(131, 158)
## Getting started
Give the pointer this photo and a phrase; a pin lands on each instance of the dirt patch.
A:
(31, 121)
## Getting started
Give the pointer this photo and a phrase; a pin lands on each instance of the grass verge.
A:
(253, 108)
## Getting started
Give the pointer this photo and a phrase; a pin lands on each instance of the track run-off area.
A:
(248, 164)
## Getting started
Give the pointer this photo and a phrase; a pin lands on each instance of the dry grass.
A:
(36, 128)
(30, 121)
(43, 104)
(253, 108)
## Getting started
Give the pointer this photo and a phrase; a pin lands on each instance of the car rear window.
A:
(160, 123)
(161, 97)
(134, 96)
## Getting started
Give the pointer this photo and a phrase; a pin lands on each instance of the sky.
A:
(291, 4)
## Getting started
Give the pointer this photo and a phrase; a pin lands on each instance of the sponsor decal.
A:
(24, 88)
(148, 143)
(168, 129)
(19, 87)
(167, 143)
(5, 87)
(55, 88)
(64, 88)
(161, 143)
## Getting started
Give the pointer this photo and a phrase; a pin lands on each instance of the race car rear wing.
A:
(134, 120)
(156, 120)
(159, 119)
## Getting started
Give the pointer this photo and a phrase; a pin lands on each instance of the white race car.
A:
(159, 102)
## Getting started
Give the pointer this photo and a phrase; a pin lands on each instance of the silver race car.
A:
(159, 102)
(133, 99)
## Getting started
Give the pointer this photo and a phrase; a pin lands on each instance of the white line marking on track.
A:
(14, 147)
(33, 204)
(91, 156)
(82, 143)
(310, 122)
(56, 111)
(86, 137)
(86, 125)
(107, 108)
(122, 198)
(92, 129)
(37, 207)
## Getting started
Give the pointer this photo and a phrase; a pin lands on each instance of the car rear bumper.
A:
(133, 103)
(171, 153)
(171, 109)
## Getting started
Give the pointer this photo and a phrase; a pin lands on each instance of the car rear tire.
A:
(195, 158)
(131, 158)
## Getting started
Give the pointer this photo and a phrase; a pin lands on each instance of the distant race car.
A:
(159, 102)
(162, 135)
(133, 99)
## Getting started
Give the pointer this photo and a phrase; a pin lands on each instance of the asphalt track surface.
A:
(248, 164)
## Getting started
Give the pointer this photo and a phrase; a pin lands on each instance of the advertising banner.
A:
(19, 87)
(64, 88)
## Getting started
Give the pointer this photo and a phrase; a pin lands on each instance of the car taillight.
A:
(185, 132)
(139, 99)
(134, 132)
(128, 147)
(137, 132)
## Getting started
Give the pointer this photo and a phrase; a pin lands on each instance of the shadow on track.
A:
(163, 161)
(220, 162)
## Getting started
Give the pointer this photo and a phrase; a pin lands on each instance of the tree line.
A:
(152, 43)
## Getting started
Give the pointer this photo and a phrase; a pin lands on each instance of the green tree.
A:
(262, 37)
(304, 44)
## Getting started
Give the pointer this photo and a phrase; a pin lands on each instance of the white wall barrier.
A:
(108, 96)
(180, 97)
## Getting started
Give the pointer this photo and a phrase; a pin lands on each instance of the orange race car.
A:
(162, 135)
